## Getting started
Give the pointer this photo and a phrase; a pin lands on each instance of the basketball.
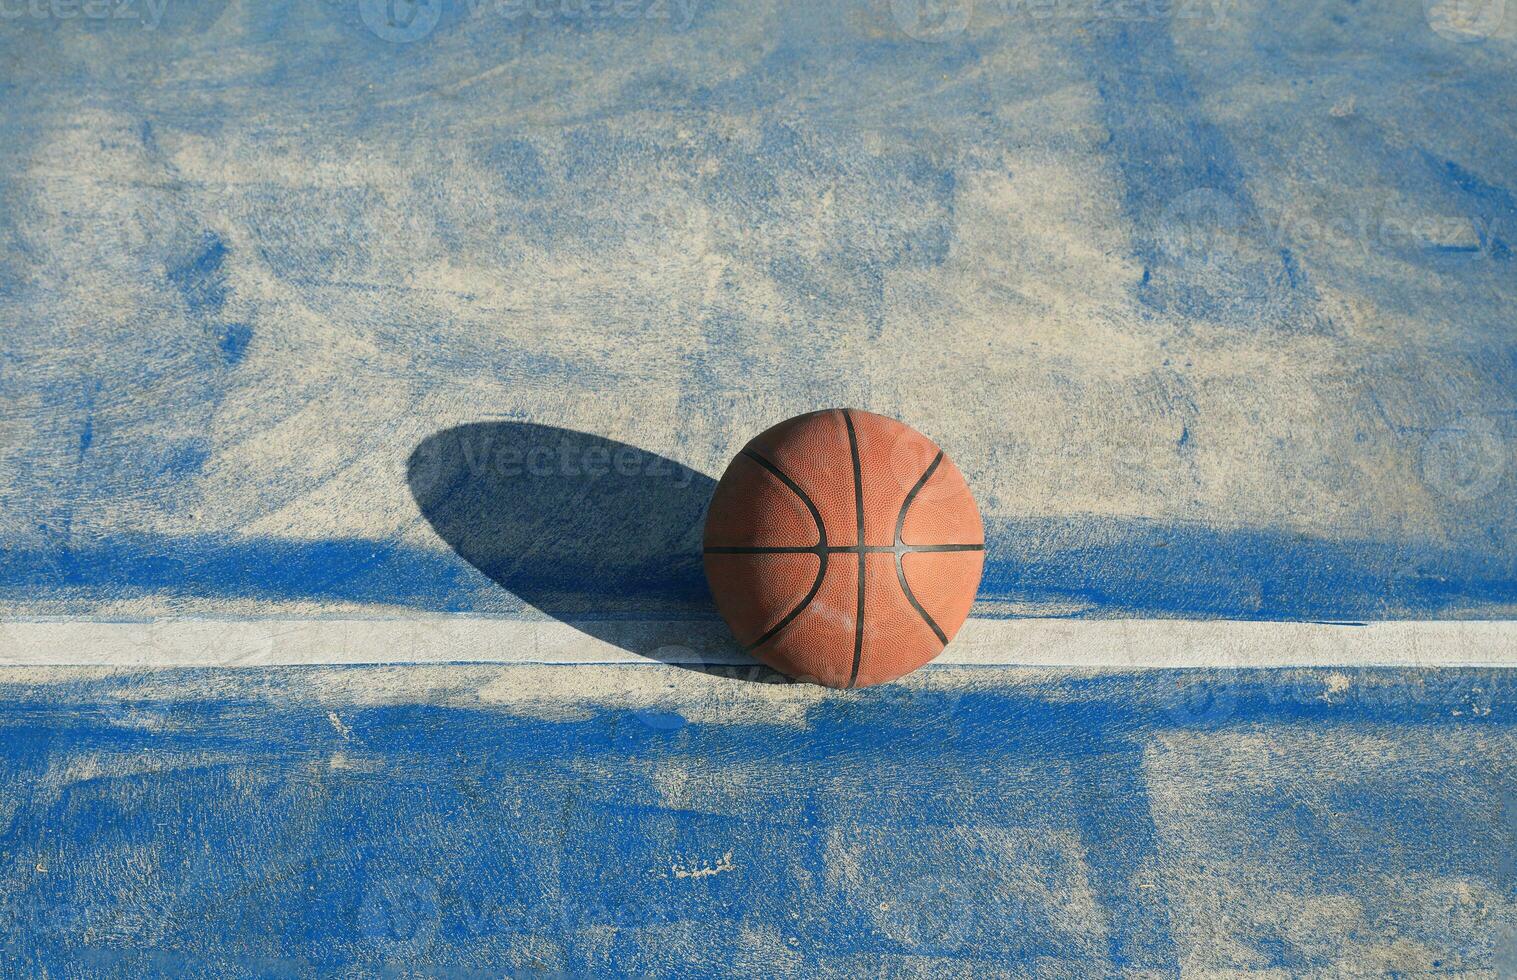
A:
(843, 548)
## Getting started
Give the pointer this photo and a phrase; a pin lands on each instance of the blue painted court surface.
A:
(411, 822)
(395, 313)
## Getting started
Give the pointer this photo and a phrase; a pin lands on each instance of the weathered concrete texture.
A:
(654, 821)
(1210, 300)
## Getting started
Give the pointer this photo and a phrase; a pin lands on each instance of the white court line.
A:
(1128, 643)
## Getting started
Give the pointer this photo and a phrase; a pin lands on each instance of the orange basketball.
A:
(843, 548)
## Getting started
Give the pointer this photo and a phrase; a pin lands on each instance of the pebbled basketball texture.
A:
(843, 548)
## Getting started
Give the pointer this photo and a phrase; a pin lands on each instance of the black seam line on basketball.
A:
(900, 574)
(837, 549)
(900, 565)
(821, 533)
(816, 515)
(900, 522)
(858, 500)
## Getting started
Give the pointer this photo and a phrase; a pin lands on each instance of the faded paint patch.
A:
(993, 822)
(1282, 392)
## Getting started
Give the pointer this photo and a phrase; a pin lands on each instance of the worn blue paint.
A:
(202, 824)
(200, 279)
(1169, 152)
(234, 342)
(1495, 205)
(1035, 568)
(1251, 269)
(478, 211)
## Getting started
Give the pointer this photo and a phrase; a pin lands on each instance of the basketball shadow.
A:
(596, 533)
